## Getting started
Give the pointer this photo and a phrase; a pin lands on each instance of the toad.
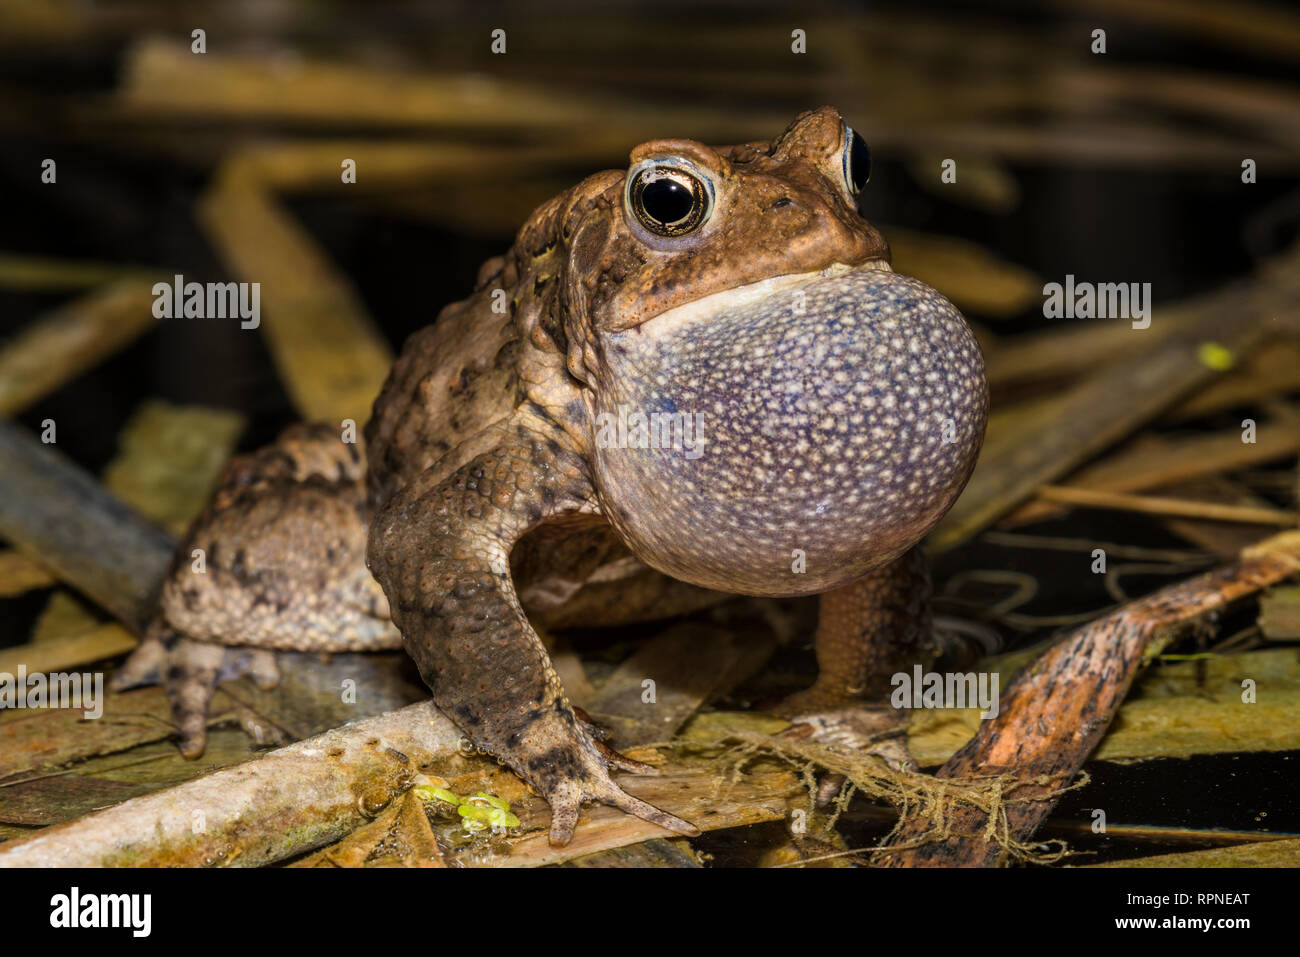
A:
(694, 376)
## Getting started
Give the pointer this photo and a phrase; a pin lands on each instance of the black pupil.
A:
(859, 162)
(666, 201)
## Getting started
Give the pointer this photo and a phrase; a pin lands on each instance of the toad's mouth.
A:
(739, 298)
(824, 420)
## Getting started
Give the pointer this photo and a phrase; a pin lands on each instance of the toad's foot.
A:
(189, 671)
(879, 730)
(568, 766)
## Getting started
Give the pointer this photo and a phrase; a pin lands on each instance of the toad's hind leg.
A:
(441, 549)
(867, 632)
(275, 562)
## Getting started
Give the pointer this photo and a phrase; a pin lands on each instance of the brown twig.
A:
(1156, 505)
(1057, 710)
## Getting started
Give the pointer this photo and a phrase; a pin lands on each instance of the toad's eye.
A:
(857, 161)
(667, 198)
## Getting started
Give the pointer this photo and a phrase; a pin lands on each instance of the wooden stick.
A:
(19, 574)
(1224, 540)
(64, 654)
(60, 346)
(1155, 505)
(1057, 710)
(43, 273)
(163, 78)
(1265, 853)
(290, 801)
(1161, 835)
(57, 513)
(1155, 462)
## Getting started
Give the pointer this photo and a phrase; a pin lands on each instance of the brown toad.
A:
(695, 375)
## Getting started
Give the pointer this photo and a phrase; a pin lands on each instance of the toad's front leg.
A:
(441, 550)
